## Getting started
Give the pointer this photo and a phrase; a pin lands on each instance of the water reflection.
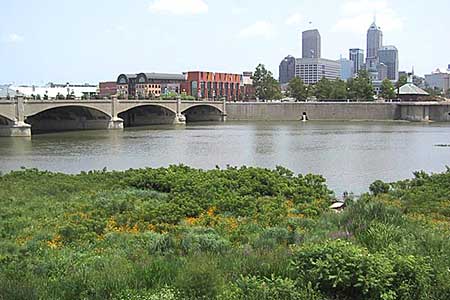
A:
(350, 155)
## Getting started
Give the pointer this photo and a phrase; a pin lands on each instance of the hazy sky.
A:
(93, 40)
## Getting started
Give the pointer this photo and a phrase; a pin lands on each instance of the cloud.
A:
(357, 15)
(294, 19)
(179, 7)
(14, 38)
(262, 29)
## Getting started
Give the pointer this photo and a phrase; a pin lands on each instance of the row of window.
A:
(151, 86)
(217, 85)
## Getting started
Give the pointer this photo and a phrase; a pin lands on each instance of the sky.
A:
(82, 41)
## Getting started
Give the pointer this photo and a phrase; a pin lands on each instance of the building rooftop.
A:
(411, 89)
(165, 76)
(389, 47)
(374, 26)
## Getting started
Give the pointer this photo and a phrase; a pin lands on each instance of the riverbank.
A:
(333, 111)
(233, 234)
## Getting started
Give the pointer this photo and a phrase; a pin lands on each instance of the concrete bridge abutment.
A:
(115, 123)
(17, 126)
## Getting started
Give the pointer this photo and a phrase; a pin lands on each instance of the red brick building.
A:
(210, 85)
(108, 88)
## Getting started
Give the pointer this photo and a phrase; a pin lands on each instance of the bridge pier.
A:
(224, 109)
(180, 119)
(17, 129)
(115, 123)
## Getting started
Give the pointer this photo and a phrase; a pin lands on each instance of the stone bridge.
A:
(19, 117)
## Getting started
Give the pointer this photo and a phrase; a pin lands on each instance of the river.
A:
(350, 155)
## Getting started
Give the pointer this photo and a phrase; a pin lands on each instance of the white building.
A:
(311, 70)
(52, 90)
(438, 79)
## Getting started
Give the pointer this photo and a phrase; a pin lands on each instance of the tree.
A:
(324, 89)
(387, 90)
(267, 88)
(401, 81)
(339, 90)
(297, 89)
(434, 92)
(360, 88)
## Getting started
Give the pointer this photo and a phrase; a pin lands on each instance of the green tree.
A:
(434, 92)
(387, 89)
(339, 90)
(267, 87)
(401, 81)
(324, 89)
(360, 88)
(297, 89)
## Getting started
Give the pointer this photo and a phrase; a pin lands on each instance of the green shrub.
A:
(379, 187)
(199, 278)
(262, 288)
(165, 293)
(346, 271)
(193, 242)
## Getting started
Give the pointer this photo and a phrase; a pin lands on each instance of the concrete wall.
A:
(440, 113)
(314, 111)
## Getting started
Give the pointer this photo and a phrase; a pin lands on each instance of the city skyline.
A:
(39, 42)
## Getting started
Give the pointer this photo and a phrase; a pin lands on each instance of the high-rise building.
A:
(346, 69)
(438, 79)
(374, 43)
(311, 44)
(388, 55)
(311, 70)
(287, 69)
(356, 55)
(382, 71)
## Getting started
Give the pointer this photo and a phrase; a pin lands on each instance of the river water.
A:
(350, 155)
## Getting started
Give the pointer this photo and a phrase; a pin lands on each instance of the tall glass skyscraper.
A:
(356, 55)
(311, 44)
(388, 55)
(374, 43)
(287, 69)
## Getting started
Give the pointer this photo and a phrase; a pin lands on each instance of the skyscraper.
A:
(374, 43)
(388, 55)
(346, 69)
(311, 44)
(356, 55)
(287, 69)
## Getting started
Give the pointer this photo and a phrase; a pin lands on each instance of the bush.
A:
(379, 187)
(199, 278)
(165, 293)
(346, 271)
(211, 242)
(262, 288)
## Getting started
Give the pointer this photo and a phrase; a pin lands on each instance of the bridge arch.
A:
(203, 112)
(67, 117)
(6, 120)
(147, 114)
(33, 109)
